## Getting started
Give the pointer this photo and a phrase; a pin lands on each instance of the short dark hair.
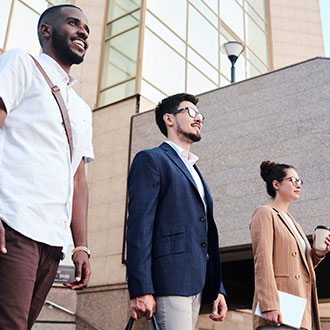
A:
(271, 171)
(169, 105)
(48, 15)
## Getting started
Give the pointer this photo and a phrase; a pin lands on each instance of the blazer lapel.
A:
(171, 153)
(302, 253)
(308, 246)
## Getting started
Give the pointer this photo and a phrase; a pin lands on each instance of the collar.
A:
(274, 207)
(56, 69)
(182, 153)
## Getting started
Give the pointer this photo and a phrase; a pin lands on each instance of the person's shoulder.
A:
(17, 59)
(152, 152)
(16, 53)
(262, 210)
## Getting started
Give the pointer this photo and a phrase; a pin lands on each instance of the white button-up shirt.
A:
(36, 175)
(190, 162)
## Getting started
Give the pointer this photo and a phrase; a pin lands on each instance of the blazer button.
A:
(297, 277)
(203, 244)
(202, 219)
(294, 253)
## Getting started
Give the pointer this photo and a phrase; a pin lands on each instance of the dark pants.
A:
(27, 272)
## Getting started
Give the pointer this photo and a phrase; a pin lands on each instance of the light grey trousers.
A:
(272, 327)
(177, 312)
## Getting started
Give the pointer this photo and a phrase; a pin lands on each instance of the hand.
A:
(83, 271)
(220, 309)
(143, 305)
(2, 239)
(273, 318)
(322, 253)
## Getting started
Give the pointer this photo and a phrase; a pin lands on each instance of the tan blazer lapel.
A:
(308, 246)
(302, 253)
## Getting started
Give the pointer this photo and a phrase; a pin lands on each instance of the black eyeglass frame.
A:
(296, 182)
(193, 113)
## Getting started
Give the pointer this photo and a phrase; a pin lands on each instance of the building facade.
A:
(141, 51)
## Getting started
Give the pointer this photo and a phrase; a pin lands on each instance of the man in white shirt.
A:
(173, 260)
(43, 192)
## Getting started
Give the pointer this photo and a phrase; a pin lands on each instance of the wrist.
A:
(318, 253)
(81, 248)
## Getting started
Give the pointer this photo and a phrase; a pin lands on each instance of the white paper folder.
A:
(292, 309)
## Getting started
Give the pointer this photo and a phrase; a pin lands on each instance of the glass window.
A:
(224, 81)
(225, 65)
(117, 93)
(251, 70)
(225, 34)
(159, 28)
(16, 38)
(256, 17)
(213, 4)
(203, 66)
(203, 37)
(197, 82)
(205, 11)
(123, 24)
(162, 66)
(120, 55)
(4, 15)
(38, 5)
(59, 2)
(151, 93)
(42, 5)
(232, 14)
(119, 8)
(174, 18)
(256, 39)
(257, 63)
(259, 6)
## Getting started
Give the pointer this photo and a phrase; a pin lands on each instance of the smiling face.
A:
(66, 36)
(188, 128)
(285, 189)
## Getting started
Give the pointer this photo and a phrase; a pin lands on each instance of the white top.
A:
(36, 176)
(190, 166)
(293, 226)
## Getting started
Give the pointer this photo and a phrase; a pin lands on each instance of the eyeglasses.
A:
(193, 113)
(296, 182)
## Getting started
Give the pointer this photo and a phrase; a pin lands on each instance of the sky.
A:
(325, 17)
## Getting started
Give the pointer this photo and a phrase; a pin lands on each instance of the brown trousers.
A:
(27, 272)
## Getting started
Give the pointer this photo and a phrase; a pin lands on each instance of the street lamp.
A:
(233, 49)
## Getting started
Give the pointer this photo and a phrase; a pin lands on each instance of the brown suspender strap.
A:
(58, 97)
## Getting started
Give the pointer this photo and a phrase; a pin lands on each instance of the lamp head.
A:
(233, 49)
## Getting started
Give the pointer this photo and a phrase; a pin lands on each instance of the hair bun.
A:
(266, 167)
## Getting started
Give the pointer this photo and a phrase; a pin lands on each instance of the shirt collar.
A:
(56, 69)
(182, 153)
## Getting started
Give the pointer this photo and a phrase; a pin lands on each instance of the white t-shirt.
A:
(36, 175)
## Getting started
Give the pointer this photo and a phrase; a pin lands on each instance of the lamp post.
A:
(233, 49)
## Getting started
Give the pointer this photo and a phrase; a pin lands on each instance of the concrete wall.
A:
(107, 192)
(296, 31)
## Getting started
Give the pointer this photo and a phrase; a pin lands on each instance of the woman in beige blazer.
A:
(283, 257)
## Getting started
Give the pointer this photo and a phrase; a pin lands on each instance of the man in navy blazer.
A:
(173, 260)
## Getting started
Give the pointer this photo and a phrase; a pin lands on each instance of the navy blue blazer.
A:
(172, 245)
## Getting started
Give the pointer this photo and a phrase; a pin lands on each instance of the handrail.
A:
(48, 302)
(63, 309)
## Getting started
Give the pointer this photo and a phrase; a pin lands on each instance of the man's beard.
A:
(64, 51)
(193, 137)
